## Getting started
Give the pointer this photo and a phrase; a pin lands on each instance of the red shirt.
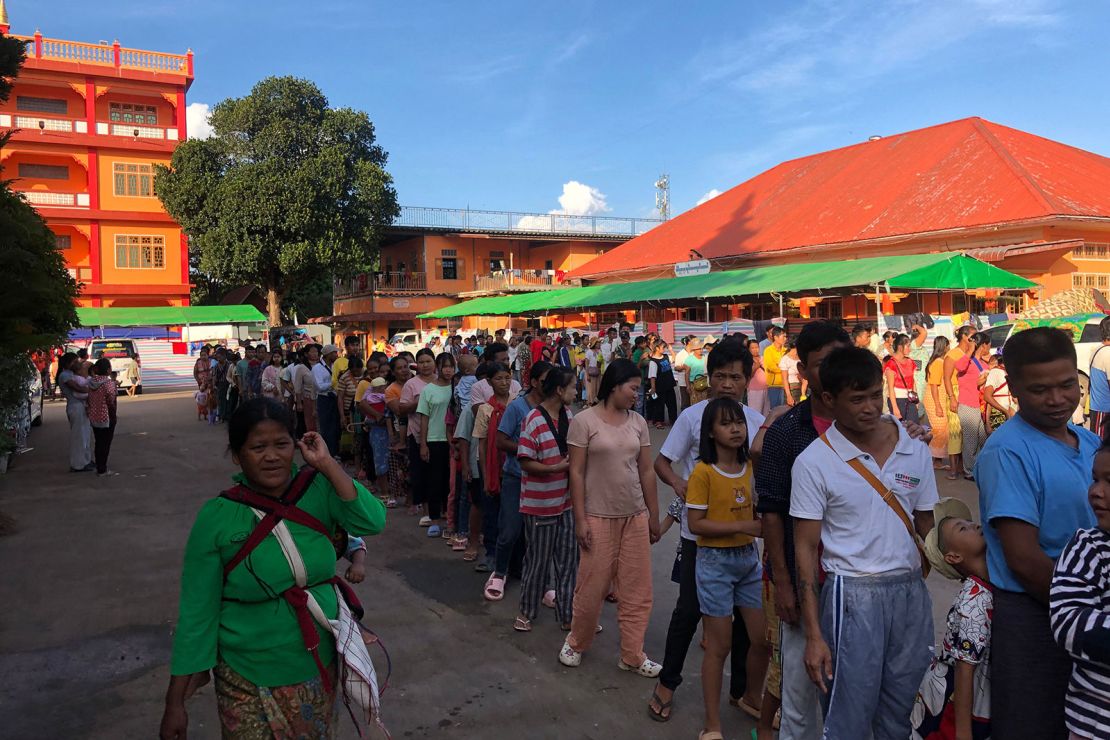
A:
(903, 372)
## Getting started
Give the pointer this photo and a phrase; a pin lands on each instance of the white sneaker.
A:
(569, 657)
(647, 669)
(425, 521)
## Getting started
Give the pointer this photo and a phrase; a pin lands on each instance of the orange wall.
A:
(111, 275)
(75, 104)
(109, 201)
(78, 253)
(77, 182)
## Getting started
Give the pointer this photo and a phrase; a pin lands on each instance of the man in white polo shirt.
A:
(855, 489)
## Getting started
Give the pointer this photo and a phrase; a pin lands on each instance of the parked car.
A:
(119, 352)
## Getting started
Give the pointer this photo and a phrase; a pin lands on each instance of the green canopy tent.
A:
(944, 271)
(169, 316)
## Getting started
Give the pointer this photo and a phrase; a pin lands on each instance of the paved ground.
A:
(90, 583)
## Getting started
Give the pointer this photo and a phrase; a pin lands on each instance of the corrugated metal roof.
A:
(997, 254)
(961, 174)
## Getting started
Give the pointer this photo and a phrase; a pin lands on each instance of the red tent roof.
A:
(965, 173)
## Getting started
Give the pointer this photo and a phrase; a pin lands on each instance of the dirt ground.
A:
(90, 580)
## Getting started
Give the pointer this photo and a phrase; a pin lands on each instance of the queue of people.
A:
(545, 477)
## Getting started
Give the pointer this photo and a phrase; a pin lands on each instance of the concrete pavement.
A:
(90, 581)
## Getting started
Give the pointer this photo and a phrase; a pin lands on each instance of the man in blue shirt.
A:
(510, 523)
(1100, 381)
(1033, 475)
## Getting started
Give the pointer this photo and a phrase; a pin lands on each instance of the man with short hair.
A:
(1100, 382)
(623, 351)
(242, 371)
(608, 344)
(352, 347)
(767, 339)
(729, 367)
(772, 356)
(784, 440)
(327, 403)
(538, 344)
(1033, 473)
(861, 336)
(869, 629)
(680, 375)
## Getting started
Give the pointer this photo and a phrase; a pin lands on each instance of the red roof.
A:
(965, 173)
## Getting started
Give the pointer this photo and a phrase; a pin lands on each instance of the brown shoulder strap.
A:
(890, 500)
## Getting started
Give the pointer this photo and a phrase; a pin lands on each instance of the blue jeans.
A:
(728, 577)
(640, 398)
(509, 523)
(327, 417)
(776, 396)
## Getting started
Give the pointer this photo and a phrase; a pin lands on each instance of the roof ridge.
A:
(1023, 174)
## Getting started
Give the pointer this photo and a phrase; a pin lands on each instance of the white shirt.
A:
(681, 445)
(606, 351)
(996, 379)
(287, 376)
(680, 359)
(321, 376)
(481, 392)
(860, 533)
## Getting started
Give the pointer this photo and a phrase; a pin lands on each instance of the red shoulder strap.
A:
(276, 510)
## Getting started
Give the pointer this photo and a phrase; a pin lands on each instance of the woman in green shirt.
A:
(241, 625)
(435, 449)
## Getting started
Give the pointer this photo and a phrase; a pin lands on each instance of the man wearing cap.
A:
(955, 695)
(327, 404)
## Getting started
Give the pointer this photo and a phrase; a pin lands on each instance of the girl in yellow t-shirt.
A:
(728, 572)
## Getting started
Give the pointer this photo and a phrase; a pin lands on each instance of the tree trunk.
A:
(273, 306)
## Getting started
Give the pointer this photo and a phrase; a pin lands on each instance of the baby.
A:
(1079, 611)
(201, 397)
(375, 395)
(956, 550)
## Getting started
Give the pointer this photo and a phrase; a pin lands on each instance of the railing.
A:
(515, 278)
(137, 131)
(45, 198)
(107, 55)
(462, 219)
(42, 123)
(366, 283)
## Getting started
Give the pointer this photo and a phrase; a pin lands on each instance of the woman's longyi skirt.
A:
(249, 712)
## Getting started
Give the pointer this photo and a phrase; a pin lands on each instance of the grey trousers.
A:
(880, 632)
(550, 544)
(801, 699)
(80, 435)
(974, 434)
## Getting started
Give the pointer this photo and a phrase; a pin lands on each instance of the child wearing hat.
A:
(954, 698)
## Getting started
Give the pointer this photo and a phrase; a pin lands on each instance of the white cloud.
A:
(708, 196)
(579, 199)
(196, 121)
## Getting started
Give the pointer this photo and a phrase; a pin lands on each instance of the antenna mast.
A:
(663, 196)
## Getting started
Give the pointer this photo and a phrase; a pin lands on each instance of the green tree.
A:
(37, 293)
(286, 190)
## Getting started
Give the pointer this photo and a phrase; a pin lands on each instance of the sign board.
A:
(400, 303)
(693, 267)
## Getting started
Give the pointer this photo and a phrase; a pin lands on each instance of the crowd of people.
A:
(532, 458)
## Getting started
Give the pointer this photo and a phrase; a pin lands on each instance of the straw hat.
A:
(693, 344)
(709, 340)
(946, 508)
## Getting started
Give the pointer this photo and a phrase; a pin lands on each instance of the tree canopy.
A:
(37, 293)
(286, 190)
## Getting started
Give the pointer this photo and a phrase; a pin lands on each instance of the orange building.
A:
(435, 257)
(1030, 205)
(89, 122)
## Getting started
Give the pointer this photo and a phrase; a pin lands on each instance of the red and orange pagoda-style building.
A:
(89, 122)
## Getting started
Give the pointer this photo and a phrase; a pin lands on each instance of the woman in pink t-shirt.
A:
(410, 399)
(757, 386)
(971, 371)
(616, 518)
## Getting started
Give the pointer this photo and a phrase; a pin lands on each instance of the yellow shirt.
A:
(337, 369)
(724, 498)
(771, 358)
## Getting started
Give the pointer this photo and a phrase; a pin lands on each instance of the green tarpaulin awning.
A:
(946, 271)
(170, 316)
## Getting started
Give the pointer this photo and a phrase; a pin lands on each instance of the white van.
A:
(119, 352)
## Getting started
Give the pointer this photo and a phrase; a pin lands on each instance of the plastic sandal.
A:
(470, 556)
(549, 599)
(458, 545)
(433, 530)
(658, 716)
(425, 521)
(647, 669)
(495, 588)
(746, 708)
(522, 625)
(570, 657)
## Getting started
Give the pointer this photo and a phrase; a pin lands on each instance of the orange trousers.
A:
(619, 554)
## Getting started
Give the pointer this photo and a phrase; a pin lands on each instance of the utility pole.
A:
(663, 196)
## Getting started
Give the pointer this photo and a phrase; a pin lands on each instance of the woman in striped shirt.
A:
(545, 501)
(1079, 609)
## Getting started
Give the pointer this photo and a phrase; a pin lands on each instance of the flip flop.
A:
(663, 706)
(482, 567)
(522, 625)
(433, 531)
(495, 588)
(746, 708)
(707, 735)
(470, 557)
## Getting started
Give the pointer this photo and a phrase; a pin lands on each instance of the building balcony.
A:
(510, 280)
(30, 123)
(381, 282)
(112, 57)
(46, 198)
(515, 222)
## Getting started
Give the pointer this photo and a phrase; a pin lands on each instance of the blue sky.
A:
(500, 105)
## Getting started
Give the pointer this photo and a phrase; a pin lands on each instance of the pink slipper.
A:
(549, 599)
(495, 588)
